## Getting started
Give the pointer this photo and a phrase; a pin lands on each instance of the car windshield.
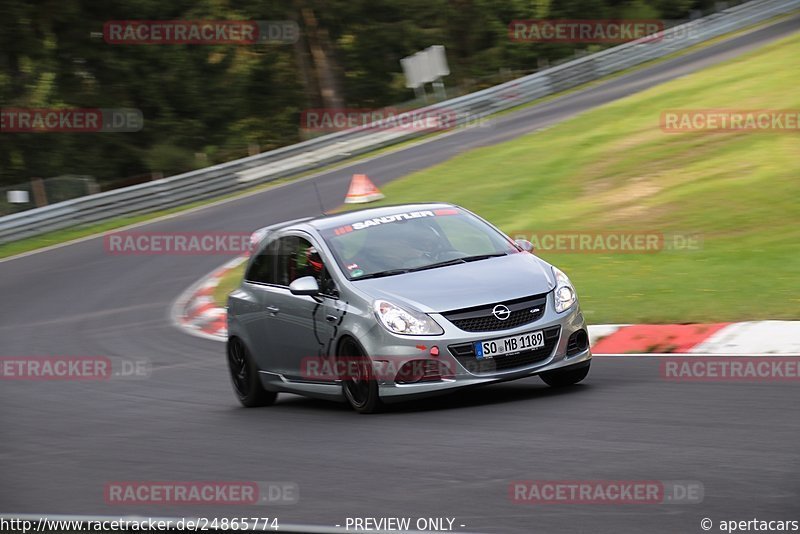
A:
(413, 240)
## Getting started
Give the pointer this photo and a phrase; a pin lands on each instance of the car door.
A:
(301, 327)
(260, 283)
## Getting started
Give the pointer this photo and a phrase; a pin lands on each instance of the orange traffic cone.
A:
(362, 190)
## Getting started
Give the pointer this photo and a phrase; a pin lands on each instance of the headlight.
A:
(401, 321)
(564, 294)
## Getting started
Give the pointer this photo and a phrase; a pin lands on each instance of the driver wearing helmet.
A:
(315, 268)
(314, 265)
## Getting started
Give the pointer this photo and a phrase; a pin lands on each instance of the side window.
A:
(310, 264)
(262, 269)
(296, 258)
(286, 260)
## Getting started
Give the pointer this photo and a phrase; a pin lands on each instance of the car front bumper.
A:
(394, 351)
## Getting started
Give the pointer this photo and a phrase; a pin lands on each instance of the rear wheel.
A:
(567, 376)
(244, 375)
(359, 385)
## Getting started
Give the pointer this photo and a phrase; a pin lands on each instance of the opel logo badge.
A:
(501, 312)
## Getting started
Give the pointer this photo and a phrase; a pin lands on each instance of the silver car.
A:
(389, 303)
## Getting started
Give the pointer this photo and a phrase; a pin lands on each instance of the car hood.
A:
(464, 285)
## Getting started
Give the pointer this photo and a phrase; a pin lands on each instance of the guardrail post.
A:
(39, 192)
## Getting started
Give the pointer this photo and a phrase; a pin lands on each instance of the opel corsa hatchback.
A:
(390, 303)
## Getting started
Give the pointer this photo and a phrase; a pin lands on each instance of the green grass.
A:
(613, 169)
(227, 283)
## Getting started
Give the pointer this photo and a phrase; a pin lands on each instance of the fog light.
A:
(577, 342)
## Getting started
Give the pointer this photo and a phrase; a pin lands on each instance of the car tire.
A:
(244, 375)
(567, 376)
(359, 386)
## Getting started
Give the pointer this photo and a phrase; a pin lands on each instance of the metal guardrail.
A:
(302, 157)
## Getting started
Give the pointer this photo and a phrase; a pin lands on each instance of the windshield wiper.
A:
(484, 256)
(381, 274)
(456, 261)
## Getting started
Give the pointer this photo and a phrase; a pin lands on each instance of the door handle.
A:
(273, 310)
(331, 318)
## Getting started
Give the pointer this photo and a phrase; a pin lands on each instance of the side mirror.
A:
(306, 285)
(524, 244)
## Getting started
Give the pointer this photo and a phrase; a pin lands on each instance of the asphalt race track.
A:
(455, 456)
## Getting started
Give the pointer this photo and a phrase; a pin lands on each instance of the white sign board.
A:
(18, 197)
(425, 67)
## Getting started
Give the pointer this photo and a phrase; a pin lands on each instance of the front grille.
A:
(481, 319)
(465, 354)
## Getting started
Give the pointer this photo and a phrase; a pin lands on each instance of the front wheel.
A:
(244, 375)
(566, 376)
(359, 385)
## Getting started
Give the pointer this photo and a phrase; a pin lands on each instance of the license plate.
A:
(509, 345)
